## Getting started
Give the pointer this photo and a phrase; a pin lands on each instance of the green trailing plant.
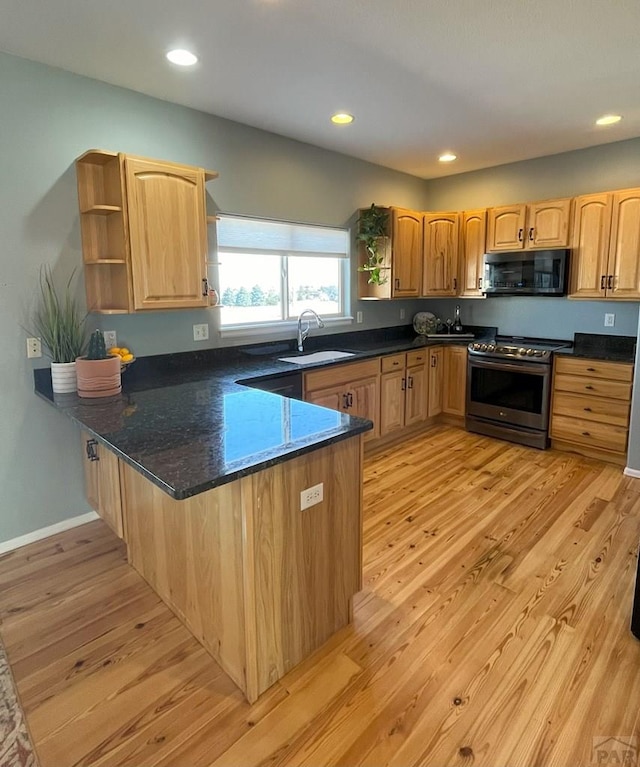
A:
(372, 226)
(58, 320)
(97, 347)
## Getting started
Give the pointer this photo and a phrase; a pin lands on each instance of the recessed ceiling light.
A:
(448, 157)
(608, 119)
(342, 118)
(182, 58)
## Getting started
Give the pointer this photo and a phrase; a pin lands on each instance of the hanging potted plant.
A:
(60, 324)
(373, 234)
(99, 373)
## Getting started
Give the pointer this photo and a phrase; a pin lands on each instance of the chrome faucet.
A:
(304, 332)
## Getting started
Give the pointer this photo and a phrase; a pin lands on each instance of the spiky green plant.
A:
(97, 347)
(58, 320)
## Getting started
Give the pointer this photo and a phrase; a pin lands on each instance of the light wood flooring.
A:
(492, 630)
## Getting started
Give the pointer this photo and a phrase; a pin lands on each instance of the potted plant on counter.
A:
(373, 234)
(99, 373)
(60, 323)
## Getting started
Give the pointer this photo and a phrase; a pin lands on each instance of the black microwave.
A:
(526, 273)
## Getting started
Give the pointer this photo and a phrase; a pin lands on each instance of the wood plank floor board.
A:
(492, 630)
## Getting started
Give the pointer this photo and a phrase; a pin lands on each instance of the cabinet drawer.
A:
(592, 387)
(335, 375)
(615, 371)
(416, 358)
(393, 362)
(600, 435)
(615, 412)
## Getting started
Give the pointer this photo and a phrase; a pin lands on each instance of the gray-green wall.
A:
(49, 117)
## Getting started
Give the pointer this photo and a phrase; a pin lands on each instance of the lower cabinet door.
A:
(102, 483)
(435, 381)
(392, 398)
(366, 404)
(326, 398)
(416, 396)
(454, 380)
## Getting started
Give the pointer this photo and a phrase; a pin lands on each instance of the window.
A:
(269, 271)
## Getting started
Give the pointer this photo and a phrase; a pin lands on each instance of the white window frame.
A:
(287, 323)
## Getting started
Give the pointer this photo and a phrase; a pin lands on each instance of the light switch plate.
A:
(609, 320)
(201, 332)
(110, 338)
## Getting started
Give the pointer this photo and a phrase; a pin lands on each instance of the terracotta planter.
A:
(98, 378)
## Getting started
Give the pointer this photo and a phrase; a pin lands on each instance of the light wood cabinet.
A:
(435, 381)
(440, 261)
(472, 247)
(407, 247)
(352, 388)
(591, 403)
(144, 233)
(606, 246)
(403, 390)
(454, 385)
(537, 225)
(102, 482)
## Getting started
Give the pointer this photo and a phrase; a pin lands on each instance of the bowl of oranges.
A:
(126, 357)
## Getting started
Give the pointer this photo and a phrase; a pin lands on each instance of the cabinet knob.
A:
(91, 447)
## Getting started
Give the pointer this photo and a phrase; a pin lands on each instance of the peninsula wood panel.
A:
(190, 552)
(304, 565)
(482, 559)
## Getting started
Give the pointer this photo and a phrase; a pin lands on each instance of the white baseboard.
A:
(632, 472)
(45, 532)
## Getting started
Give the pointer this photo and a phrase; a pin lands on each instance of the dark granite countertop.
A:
(188, 424)
(596, 346)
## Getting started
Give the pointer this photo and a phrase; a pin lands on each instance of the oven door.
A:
(514, 393)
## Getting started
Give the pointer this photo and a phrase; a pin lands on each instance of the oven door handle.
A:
(536, 368)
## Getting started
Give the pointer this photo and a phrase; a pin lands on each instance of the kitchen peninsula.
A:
(207, 476)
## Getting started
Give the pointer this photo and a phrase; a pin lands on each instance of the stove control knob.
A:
(483, 347)
(491, 347)
(522, 351)
(530, 352)
(539, 353)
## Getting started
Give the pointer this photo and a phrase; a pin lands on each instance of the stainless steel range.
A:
(508, 388)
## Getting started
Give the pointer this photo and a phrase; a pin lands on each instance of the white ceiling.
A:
(493, 80)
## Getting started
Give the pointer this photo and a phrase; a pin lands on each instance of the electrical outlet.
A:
(402, 314)
(34, 347)
(609, 320)
(110, 338)
(358, 317)
(311, 496)
(201, 332)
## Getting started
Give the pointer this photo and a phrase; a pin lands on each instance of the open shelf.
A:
(103, 210)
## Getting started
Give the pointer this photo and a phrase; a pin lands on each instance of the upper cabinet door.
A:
(623, 280)
(168, 234)
(506, 227)
(474, 234)
(440, 265)
(406, 235)
(548, 224)
(591, 229)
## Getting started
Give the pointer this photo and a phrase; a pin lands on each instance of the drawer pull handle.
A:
(479, 283)
(586, 433)
(397, 283)
(610, 282)
(587, 410)
(520, 231)
(591, 370)
(410, 382)
(589, 387)
(531, 234)
(396, 362)
(404, 384)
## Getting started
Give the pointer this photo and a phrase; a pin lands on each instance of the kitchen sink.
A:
(308, 359)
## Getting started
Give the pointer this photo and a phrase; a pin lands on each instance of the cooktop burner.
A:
(518, 347)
